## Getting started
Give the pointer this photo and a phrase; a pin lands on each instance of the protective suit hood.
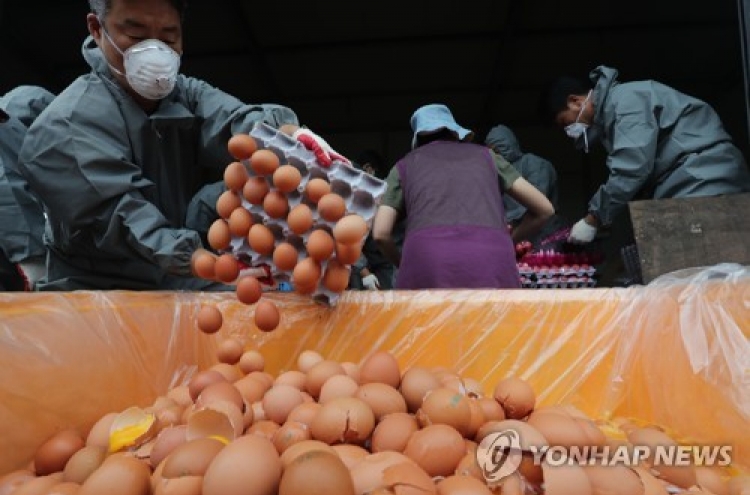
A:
(502, 140)
(604, 79)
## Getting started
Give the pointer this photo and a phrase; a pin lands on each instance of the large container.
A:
(675, 353)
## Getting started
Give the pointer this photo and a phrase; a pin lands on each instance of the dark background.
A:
(355, 71)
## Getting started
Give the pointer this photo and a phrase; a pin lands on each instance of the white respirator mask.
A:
(578, 129)
(151, 67)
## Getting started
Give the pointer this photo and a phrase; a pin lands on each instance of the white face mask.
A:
(578, 129)
(151, 67)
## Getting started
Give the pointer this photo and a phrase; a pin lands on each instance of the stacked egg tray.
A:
(554, 277)
(361, 192)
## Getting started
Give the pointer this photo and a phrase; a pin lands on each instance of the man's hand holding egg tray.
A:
(324, 154)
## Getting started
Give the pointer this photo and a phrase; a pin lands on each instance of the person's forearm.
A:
(529, 225)
(389, 250)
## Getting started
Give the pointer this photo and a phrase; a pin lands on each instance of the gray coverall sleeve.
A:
(631, 163)
(80, 166)
(26, 102)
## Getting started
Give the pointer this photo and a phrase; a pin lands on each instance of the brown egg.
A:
(221, 420)
(261, 239)
(564, 430)
(319, 373)
(230, 351)
(219, 235)
(408, 478)
(285, 256)
(286, 178)
(83, 463)
(437, 449)
(119, 475)
(203, 379)
(351, 370)
(393, 431)
(516, 397)
(248, 466)
(415, 385)
(192, 458)
(240, 221)
(181, 395)
(337, 386)
(228, 202)
(279, 401)
(680, 475)
(65, 488)
(336, 276)
(248, 290)
(380, 367)
(316, 189)
(711, 479)
(267, 316)
(320, 245)
(306, 274)
(264, 162)
(53, 454)
(348, 254)
(350, 229)
(382, 399)
(220, 391)
(276, 204)
(307, 359)
(252, 361)
(369, 472)
(263, 428)
(168, 439)
(477, 418)
(242, 146)
(289, 434)
(344, 419)
(235, 176)
(445, 406)
(203, 265)
(231, 373)
(302, 448)
(294, 378)
(209, 319)
(226, 268)
(304, 413)
(614, 480)
(462, 485)
(184, 485)
(566, 479)
(251, 389)
(255, 190)
(99, 434)
(468, 466)
(350, 454)
(329, 473)
(300, 219)
(331, 207)
(491, 409)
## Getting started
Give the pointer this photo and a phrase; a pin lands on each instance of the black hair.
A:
(441, 135)
(102, 7)
(554, 97)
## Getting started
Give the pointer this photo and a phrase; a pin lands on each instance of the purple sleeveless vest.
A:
(456, 235)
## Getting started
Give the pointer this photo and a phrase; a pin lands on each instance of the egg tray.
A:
(361, 193)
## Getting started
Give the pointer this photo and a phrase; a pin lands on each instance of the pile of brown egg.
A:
(339, 428)
(327, 254)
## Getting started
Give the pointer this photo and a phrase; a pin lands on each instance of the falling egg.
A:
(255, 190)
(203, 265)
(267, 316)
(261, 239)
(336, 276)
(228, 201)
(240, 221)
(350, 229)
(230, 351)
(331, 207)
(264, 162)
(306, 274)
(219, 235)
(285, 256)
(242, 146)
(226, 268)
(235, 176)
(316, 189)
(287, 178)
(209, 319)
(300, 219)
(252, 361)
(320, 245)
(248, 290)
(276, 204)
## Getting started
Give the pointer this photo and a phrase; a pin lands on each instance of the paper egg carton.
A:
(361, 193)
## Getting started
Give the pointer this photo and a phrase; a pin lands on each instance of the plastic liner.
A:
(675, 353)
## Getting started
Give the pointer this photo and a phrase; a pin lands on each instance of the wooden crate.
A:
(672, 234)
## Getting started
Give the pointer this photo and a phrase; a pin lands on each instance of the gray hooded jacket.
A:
(535, 169)
(21, 213)
(116, 183)
(660, 143)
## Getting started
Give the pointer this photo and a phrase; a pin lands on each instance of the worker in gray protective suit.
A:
(22, 252)
(535, 169)
(120, 154)
(660, 143)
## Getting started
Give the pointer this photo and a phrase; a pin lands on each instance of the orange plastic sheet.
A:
(674, 353)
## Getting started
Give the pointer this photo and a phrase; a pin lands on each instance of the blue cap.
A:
(433, 118)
